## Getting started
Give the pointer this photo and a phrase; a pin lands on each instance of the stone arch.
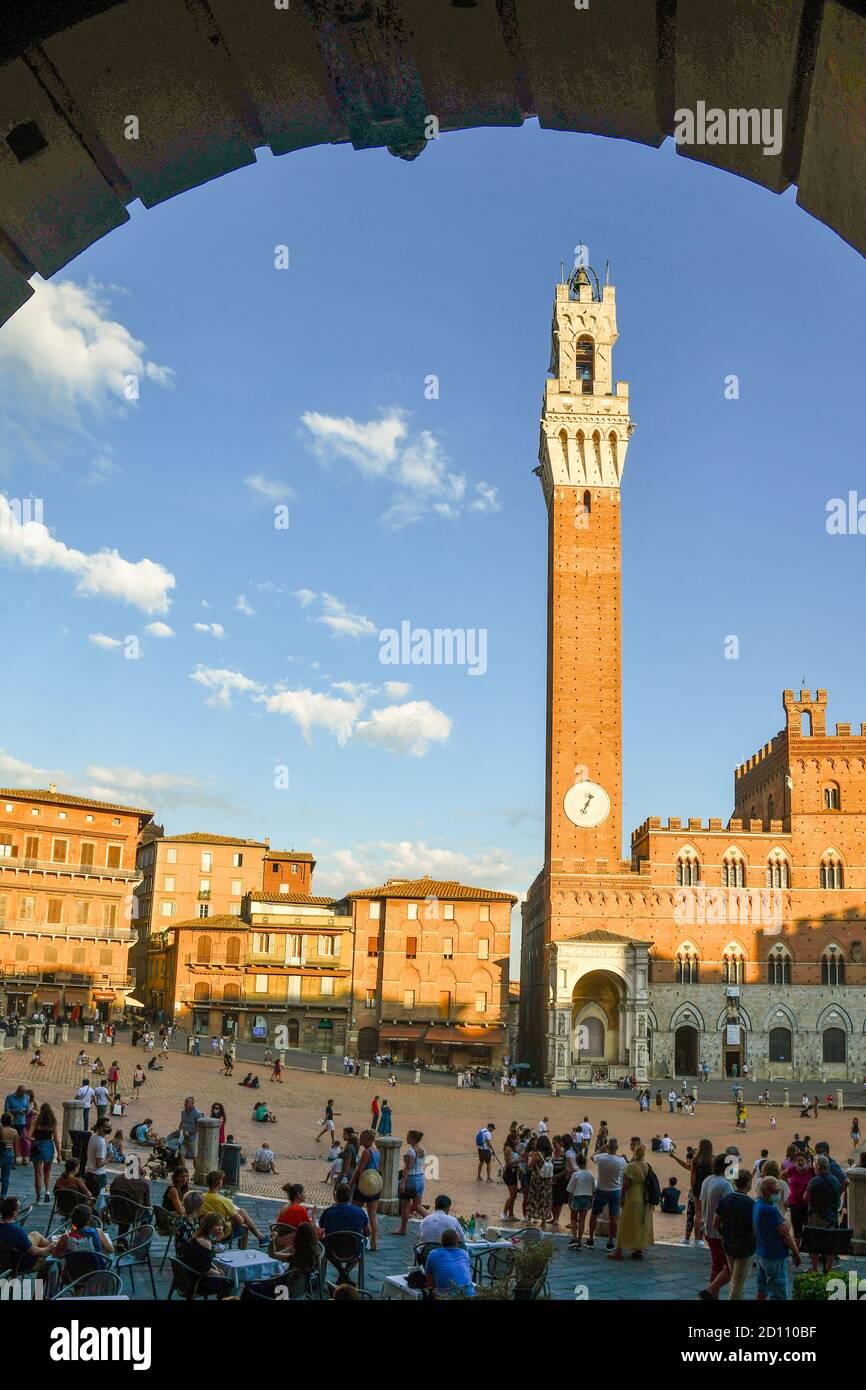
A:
(773, 1021)
(742, 1017)
(684, 1014)
(842, 1020)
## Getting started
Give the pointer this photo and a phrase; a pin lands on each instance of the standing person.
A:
(658, 1100)
(101, 1099)
(97, 1152)
(228, 1064)
(601, 1138)
(798, 1178)
(855, 1132)
(113, 1078)
(277, 1071)
(44, 1146)
(611, 1168)
(218, 1112)
(385, 1117)
(8, 1151)
(699, 1165)
(138, 1080)
(581, 1190)
(539, 1163)
(366, 1183)
(411, 1185)
(189, 1118)
(823, 1195)
(561, 1175)
(327, 1122)
(510, 1171)
(713, 1189)
(672, 1100)
(16, 1106)
(85, 1094)
(635, 1230)
(374, 1114)
(773, 1242)
(486, 1151)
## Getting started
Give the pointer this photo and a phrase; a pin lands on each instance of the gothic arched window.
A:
(733, 966)
(779, 969)
(584, 363)
(780, 1045)
(688, 868)
(778, 870)
(733, 870)
(832, 801)
(835, 1045)
(832, 967)
(687, 966)
(831, 870)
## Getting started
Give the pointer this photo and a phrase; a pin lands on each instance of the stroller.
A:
(165, 1157)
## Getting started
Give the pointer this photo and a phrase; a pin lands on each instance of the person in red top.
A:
(374, 1113)
(293, 1215)
(798, 1178)
(277, 1072)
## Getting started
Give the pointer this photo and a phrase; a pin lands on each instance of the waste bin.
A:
(230, 1163)
(88, 1032)
(79, 1139)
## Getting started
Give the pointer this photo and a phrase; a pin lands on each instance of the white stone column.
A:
(207, 1148)
(857, 1209)
(324, 1064)
(73, 1118)
(389, 1147)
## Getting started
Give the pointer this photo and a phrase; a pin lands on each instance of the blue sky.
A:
(310, 382)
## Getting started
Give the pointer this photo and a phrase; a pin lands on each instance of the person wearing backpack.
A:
(484, 1145)
(539, 1206)
(83, 1238)
(640, 1193)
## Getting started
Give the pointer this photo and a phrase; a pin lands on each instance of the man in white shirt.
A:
(713, 1189)
(608, 1194)
(85, 1094)
(101, 1097)
(439, 1220)
(541, 1127)
(586, 1130)
(667, 1144)
(263, 1160)
(97, 1148)
(672, 1100)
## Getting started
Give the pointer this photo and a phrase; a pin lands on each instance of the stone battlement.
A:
(715, 825)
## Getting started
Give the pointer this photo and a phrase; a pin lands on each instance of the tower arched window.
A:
(831, 870)
(733, 966)
(584, 363)
(733, 870)
(778, 870)
(835, 1045)
(771, 808)
(688, 868)
(687, 966)
(587, 502)
(832, 800)
(779, 968)
(832, 967)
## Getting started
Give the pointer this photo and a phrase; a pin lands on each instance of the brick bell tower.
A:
(585, 429)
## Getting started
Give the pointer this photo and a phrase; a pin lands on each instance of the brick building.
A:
(284, 961)
(67, 871)
(430, 977)
(737, 943)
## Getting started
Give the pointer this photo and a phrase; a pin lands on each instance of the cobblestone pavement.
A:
(449, 1117)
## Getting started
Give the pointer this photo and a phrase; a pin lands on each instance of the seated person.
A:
(189, 1222)
(142, 1133)
(449, 1266)
(26, 1251)
(670, 1204)
(69, 1181)
(255, 1083)
(263, 1160)
(82, 1059)
(36, 1059)
(172, 1197)
(294, 1214)
(135, 1190)
(115, 1147)
(83, 1237)
(262, 1114)
(304, 1257)
(199, 1256)
(247, 1079)
(153, 1065)
(344, 1215)
(440, 1220)
(234, 1218)
(98, 1065)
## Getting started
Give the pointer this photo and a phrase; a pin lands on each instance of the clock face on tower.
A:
(586, 804)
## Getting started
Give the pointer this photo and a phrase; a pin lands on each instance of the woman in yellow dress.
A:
(635, 1231)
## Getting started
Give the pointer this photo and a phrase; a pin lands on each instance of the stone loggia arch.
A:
(211, 81)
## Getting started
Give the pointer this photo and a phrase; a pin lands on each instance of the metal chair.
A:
(278, 1229)
(423, 1250)
(80, 1262)
(345, 1251)
(186, 1281)
(500, 1263)
(166, 1223)
(100, 1283)
(137, 1256)
(126, 1214)
(66, 1199)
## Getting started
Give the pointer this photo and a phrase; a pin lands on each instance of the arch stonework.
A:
(211, 84)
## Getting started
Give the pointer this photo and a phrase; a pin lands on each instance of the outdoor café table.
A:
(243, 1265)
(395, 1286)
(477, 1249)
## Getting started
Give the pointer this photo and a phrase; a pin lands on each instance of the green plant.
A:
(812, 1285)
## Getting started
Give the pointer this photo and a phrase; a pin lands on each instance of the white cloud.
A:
(64, 344)
(99, 639)
(396, 690)
(304, 596)
(422, 480)
(343, 623)
(15, 772)
(159, 630)
(102, 467)
(242, 606)
(224, 684)
(310, 709)
(104, 574)
(163, 788)
(405, 729)
(214, 629)
(272, 488)
(373, 862)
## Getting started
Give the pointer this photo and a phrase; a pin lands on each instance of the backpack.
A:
(86, 1241)
(546, 1169)
(480, 1141)
(652, 1193)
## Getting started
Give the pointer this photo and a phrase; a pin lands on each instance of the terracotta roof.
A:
(298, 854)
(69, 799)
(223, 921)
(199, 837)
(292, 898)
(432, 888)
(600, 935)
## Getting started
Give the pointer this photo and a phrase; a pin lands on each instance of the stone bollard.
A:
(417, 1077)
(282, 1057)
(695, 1094)
(207, 1148)
(390, 1166)
(73, 1118)
(786, 1097)
(51, 1034)
(367, 1071)
(324, 1065)
(64, 1032)
(2, 1041)
(840, 1099)
(37, 1034)
(20, 1039)
(857, 1208)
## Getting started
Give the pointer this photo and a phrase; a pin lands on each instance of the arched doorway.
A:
(686, 1050)
(293, 1033)
(368, 1043)
(597, 1002)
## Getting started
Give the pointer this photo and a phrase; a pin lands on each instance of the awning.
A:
(402, 1032)
(465, 1037)
(103, 994)
(133, 1003)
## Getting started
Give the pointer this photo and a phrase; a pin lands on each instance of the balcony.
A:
(10, 861)
(122, 935)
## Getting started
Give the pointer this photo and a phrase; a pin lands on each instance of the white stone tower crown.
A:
(585, 424)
